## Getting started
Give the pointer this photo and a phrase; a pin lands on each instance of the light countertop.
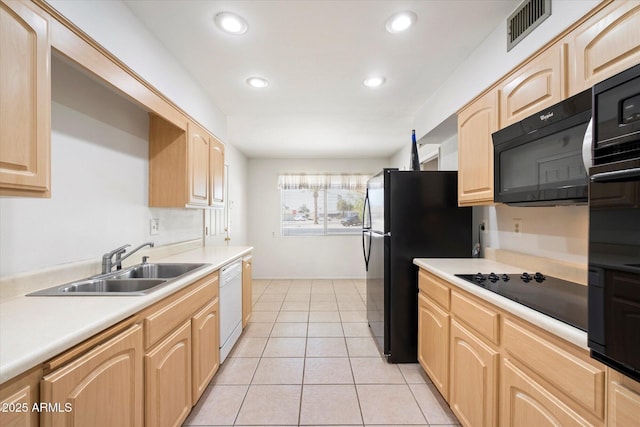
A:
(35, 329)
(447, 268)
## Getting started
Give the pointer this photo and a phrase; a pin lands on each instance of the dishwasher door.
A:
(230, 307)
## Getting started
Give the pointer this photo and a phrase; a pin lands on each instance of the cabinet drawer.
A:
(577, 377)
(525, 403)
(476, 315)
(163, 320)
(434, 288)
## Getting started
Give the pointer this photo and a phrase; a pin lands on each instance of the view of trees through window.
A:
(317, 212)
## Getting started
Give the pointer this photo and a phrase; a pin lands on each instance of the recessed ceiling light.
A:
(257, 82)
(231, 23)
(400, 22)
(374, 81)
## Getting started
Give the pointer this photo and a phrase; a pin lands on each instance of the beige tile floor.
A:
(307, 359)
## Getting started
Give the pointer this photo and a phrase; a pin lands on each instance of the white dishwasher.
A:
(230, 306)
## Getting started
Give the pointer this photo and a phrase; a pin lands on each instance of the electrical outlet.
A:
(484, 225)
(155, 226)
(517, 226)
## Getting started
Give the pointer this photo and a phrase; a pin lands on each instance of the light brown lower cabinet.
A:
(525, 403)
(247, 283)
(17, 398)
(102, 388)
(433, 343)
(205, 347)
(473, 378)
(505, 371)
(182, 351)
(623, 401)
(168, 380)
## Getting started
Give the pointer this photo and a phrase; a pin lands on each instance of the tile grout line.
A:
(235, 420)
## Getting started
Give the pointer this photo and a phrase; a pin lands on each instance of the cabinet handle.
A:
(621, 175)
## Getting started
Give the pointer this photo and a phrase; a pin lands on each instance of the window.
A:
(321, 204)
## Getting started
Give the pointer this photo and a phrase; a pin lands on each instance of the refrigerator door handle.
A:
(366, 254)
(366, 225)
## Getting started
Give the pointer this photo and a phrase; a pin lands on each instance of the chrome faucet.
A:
(107, 259)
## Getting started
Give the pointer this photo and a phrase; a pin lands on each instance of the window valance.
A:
(322, 181)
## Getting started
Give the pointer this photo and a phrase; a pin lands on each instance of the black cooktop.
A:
(560, 299)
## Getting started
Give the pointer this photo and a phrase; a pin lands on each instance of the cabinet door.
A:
(537, 85)
(101, 388)
(433, 343)
(578, 379)
(25, 103)
(525, 403)
(205, 327)
(473, 386)
(247, 298)
(199, 147)
(217, 172)
(624, 401)
(476, 123)
(606, 44)
(168, 380)
(17, 398)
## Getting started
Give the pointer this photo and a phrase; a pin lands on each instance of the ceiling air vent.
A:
(525, 18)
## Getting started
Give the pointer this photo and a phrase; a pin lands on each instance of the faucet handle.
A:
(118, 251)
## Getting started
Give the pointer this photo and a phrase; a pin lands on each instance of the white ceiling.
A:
(316, 53)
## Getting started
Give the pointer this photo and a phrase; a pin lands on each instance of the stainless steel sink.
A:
(140, 279)
(112, 285)
(153, 271)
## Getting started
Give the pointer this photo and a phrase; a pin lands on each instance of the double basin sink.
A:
(140, 279)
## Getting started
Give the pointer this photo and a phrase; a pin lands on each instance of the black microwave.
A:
(538, 161)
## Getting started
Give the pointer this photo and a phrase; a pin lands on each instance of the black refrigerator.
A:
(407, 215)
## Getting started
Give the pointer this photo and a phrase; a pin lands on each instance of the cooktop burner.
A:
(560, 299)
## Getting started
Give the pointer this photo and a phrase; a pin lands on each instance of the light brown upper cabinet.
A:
(604, 45)
(537, 85)
(25, 104)
(198, 168)
(185, 168)
(216, 175)
(476, 122)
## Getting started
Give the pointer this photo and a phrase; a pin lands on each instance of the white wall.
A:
(558, 232)
(276, 256)
(491, 61)
(99, 175)
(449, 154)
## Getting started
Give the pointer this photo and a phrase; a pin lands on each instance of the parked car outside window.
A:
(351, 220)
